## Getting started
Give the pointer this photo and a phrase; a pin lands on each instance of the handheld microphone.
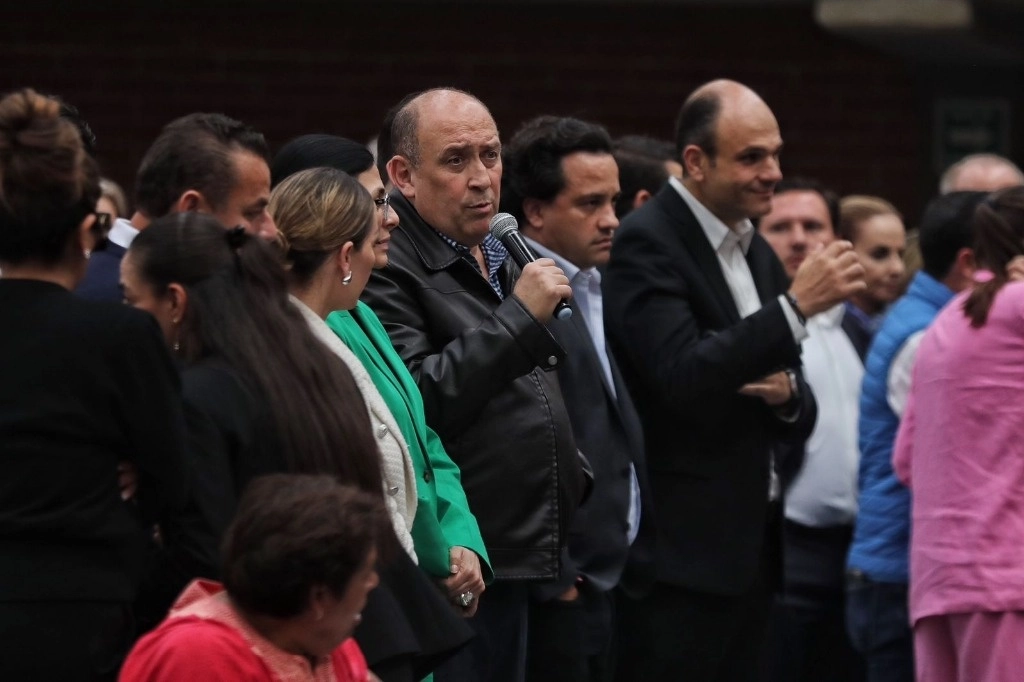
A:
(505, 229)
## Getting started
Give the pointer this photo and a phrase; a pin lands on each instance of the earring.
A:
(87, 253)
(176, 345)
(347, 279)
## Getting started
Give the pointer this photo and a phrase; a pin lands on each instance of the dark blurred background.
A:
(873, 96)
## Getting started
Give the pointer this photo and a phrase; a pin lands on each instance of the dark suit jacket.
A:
(608, 432)
(685, 352)
(102, 281)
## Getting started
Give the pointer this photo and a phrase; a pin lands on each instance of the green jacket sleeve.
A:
(457, 521)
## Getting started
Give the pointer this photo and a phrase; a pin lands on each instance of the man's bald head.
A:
(405, 128)
(980, 173)
(729, 145)
(447, 162)
(697, 123)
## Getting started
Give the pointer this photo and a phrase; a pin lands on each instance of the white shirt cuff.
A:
(799, 331)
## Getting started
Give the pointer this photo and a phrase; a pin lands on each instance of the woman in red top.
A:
(298, 563)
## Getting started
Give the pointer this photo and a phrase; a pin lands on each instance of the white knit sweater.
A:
(396, 466)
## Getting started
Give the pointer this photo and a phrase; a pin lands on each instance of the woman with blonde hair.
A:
(875, 228)
(331, 232)
(445, 532)
(112, 199)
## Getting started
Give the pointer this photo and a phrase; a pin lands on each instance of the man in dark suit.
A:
(819, 475)
(707, 328)
(561, 181)
(208, 163)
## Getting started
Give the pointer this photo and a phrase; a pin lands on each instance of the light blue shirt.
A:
(586, 290)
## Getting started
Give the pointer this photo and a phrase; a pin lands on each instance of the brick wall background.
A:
(858, 119)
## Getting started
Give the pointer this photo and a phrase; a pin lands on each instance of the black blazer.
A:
(685, 352)
(83, 386)
(608, 432)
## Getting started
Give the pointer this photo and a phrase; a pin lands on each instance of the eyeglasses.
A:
(384, 203)
(99, 230)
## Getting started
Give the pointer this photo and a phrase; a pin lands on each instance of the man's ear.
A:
(533, 213)
(694, 162)
(641, 197)
(400, 172)
(191, 200)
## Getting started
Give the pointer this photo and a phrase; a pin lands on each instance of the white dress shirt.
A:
(586, 290)
(824, 492)
(731, 246)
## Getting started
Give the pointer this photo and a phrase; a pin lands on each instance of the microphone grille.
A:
(502, 224)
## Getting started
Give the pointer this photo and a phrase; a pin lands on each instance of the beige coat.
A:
(396, 466)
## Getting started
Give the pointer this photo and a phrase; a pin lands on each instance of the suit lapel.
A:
(587, 341)
(760, 263)
(617, 394)
(697, 244)
(628, 416)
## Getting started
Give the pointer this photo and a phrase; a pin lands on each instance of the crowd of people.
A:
(301, 415)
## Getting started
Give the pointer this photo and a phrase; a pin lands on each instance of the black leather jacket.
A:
(485, 368)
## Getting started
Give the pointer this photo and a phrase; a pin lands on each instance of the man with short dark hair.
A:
(877, 566)
(707, 328)
(561, 182)
(805, 221)
(208, 163)
(645, 164)
(819, 474)
(471, 329)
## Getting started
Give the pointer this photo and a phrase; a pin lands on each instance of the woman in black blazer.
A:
(84, 388)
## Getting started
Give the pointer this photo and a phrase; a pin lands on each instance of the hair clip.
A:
(236, 237)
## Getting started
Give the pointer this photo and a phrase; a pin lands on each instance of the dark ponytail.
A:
(238, 310)
(998, 239)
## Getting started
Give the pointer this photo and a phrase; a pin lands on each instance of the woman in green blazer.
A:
(445, 533)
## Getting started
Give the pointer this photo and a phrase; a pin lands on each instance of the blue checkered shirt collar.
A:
(494, 252)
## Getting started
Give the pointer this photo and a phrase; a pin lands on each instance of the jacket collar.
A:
(429, 246)
(436, 255)
(717, 232)
(929, 289)
(696, 242)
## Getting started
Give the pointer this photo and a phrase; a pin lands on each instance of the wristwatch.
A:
(791, 299)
